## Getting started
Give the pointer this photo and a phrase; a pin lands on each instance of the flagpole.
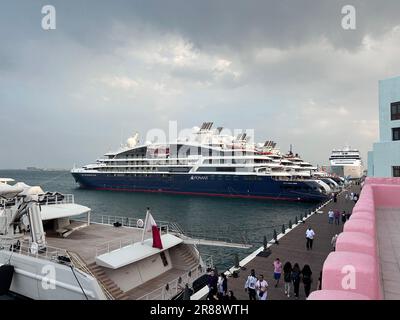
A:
(145, 224)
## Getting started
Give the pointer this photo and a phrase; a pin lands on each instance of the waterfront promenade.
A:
(292, 247)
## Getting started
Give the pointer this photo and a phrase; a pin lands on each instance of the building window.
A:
(395, 110)
(396, 134)
(396, 171)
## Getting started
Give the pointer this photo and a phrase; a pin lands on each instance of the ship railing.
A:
(113, 245)
(78, 263)
(65, 199)
(174, 287)
(165, 226)
(53, 254)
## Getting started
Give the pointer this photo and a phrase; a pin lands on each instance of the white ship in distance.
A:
(347, 162)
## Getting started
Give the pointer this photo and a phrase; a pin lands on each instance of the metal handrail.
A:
(78, 263)
(178, 284)
(24, 248)
(67, 199)
(108, 246)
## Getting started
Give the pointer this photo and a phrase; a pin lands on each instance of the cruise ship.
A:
(346, 163)
(206, 162)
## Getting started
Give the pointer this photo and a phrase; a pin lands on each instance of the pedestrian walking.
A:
(296, 273)
(334, 197)
(222, 286)
(310, 234)
(212, 285)
(331, 216)
(344, 217)
(287, 277)
(277, 271)
(262, 288)
(352, 196)
(306, 274)
(250, 285)
(337, 217)
(333, 242)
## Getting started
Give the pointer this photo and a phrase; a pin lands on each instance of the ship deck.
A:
(86, 240)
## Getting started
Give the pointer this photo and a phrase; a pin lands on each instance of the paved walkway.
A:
(388, 226)
(292, 247)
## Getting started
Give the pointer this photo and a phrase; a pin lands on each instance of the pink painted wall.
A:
(357, 245)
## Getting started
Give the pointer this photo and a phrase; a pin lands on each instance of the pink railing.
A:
(352, 272)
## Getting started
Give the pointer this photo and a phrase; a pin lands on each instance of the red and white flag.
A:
(152, 226)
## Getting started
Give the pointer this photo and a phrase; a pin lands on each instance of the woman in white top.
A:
(261, 288)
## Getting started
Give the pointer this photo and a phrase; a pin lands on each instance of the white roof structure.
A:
(135, 252)
(7, 191)
(6, 180)
(29, 190)
(64, 210)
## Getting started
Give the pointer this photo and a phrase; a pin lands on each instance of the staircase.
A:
(184, 256)
(110, 289)
(105, 282)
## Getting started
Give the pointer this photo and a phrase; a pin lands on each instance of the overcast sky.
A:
(287, 69)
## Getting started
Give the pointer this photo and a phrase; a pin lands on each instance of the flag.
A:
(152, 226)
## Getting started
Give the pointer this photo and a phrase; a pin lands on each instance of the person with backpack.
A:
(287, 277)
(296, 275)
(250, 285)
(307, 279)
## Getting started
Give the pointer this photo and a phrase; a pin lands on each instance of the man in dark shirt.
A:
(212, 285)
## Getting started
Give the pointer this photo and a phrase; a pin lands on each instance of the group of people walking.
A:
(293, 276)
(335, 217)
(218, 287)
(352, 196)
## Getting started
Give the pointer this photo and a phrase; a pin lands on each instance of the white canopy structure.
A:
(65, 210)
(135, 252)
(7, 191)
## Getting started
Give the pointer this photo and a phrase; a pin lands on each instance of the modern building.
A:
(384, 160)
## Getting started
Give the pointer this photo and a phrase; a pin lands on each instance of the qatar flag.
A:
(152, 226)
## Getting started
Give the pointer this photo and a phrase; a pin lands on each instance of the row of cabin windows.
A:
(298, 187)
(211, 177)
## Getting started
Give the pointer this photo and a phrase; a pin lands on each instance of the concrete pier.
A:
(292, 247)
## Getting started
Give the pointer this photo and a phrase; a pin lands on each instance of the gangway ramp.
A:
(211, 242)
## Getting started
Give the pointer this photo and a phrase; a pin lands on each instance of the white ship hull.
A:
(41, 279)
(351, 171)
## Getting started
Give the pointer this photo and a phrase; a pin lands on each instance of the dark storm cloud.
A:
(285, 67)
